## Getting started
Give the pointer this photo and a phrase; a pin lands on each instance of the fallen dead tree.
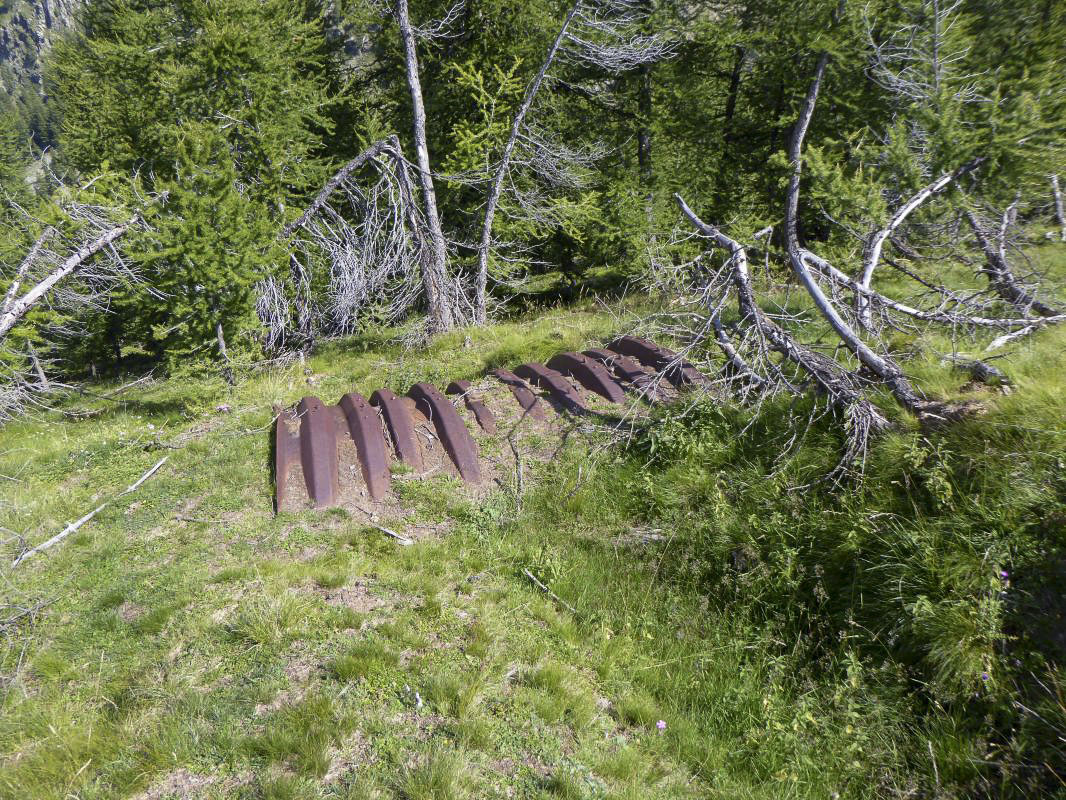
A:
(364, 236)
(72, 264)
(763, 357)
(761, 336)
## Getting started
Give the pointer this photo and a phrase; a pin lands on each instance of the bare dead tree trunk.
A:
(42, 379)
(227, 364)
(24, 267)
(493, 199)
(1000, 275)
(15, 309)
(435, 264)
(875, 241)
(880, 366)
(1060, 215)
(334, 182)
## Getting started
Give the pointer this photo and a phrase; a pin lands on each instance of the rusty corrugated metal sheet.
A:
(318, 450)
(484, 417)
(658, 358)
(364, 425)
(588, 373)
(457, 441)
(557, 385)
(401, 427)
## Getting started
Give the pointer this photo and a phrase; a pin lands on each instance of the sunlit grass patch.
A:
(298, 736)
(364, 660)
(266, 621)
(456, 690)
(440, 773)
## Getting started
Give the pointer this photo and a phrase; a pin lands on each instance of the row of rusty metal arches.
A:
(382, 427)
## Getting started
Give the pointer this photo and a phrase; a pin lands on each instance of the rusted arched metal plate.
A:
(286, 451)
(530, 403)
(623, 367)
(651, 355)
(589, 373)
(364, 425)
(457, 441)
(558, 386)
(484, 417)
(318, 451)
(401, 427)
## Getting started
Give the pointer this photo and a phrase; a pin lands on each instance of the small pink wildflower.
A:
(661, 725)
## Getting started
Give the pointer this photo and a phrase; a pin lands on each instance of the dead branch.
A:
(369, 239)
(16, 309)
(493, 198)
(1060, 215)
(1000, 276)
(74, 526)
(549, 592)
(599, 33)
(841, 387)
(876, 240)
(335, 182)
(435, 282)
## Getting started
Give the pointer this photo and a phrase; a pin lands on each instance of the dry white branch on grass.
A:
(549, 592)
(759, 335)
(74, 526)
(880, 365)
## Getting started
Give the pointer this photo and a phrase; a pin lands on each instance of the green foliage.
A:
(13, 156)
(208, 247)
(224, 108)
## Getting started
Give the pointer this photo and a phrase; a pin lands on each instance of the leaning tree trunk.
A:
(882, 367)
(14, 309)
(999, 273)
(493, 199)
(435, 264)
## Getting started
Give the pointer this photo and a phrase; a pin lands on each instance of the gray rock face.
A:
(27, 30)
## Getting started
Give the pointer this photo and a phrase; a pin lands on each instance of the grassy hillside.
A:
(730, 636)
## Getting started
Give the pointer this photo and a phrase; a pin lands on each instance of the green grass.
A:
(795, 644)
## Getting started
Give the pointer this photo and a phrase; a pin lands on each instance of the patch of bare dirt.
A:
(355, 751)
(299, 670)
(355, 596)
(181, 783)
(129, 612)
(423, 725)
(286, 697)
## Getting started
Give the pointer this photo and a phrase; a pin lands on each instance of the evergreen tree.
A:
(226, 106)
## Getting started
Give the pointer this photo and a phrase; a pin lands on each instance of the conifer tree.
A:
(226, 106)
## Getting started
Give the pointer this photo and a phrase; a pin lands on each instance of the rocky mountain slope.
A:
(27, 30)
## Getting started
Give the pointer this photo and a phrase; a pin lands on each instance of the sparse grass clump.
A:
(298, 736)
(365, 660)
(438, 774)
